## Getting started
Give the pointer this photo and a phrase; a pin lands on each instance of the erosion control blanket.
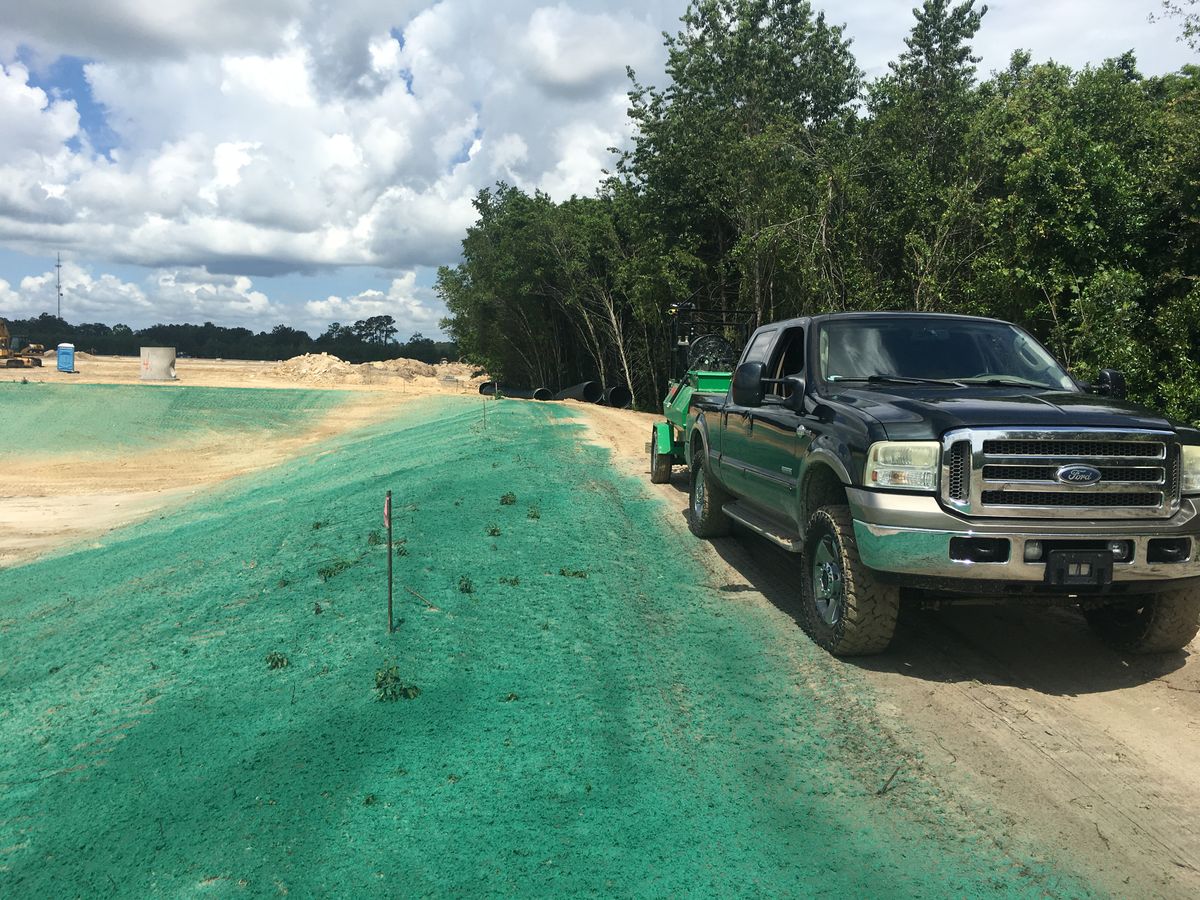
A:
(195, 707)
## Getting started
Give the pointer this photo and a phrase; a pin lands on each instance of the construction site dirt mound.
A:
(79, 354)
(326, 369)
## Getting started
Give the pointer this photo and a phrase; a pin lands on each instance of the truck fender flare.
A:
(700, 427)
(818, 459)
(822, 455)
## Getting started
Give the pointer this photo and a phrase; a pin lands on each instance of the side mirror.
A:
(795, 394)
(1111, 383)
(747, 388)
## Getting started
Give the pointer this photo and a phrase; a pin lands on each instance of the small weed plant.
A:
(465, 585)
(572, 573)
(374, 539)
(388, 685)
(276, 660)
(400, 546)
(327, 572)
(534, 513)
(493, 530)
(508, 499)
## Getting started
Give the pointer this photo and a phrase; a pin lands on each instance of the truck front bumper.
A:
(912, 534)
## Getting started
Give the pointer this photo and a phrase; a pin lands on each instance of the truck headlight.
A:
(904, 465)
(1190, 479)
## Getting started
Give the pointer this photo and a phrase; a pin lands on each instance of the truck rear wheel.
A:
(660, 466)
(705, 517)
(1154, 623)
(844, 608)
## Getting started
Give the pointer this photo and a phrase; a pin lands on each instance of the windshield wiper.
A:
(1008, 382)
(898, 379)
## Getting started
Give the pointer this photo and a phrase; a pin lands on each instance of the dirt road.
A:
(1027, 716)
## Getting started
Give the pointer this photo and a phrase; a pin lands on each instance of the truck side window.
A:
(789, 360)
(759, 347)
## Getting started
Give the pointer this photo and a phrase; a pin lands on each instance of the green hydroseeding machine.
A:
(709, 344)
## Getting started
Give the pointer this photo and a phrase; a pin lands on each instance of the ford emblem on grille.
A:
(1077, 475)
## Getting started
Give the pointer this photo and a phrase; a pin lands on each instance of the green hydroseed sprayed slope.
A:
(621, 729)
(79, 418)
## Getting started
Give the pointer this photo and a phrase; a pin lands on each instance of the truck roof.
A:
(882, 314)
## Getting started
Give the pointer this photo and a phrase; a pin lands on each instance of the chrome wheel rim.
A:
(828, 581)
(698, 494)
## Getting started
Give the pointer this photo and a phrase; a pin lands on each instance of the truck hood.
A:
(924, 413)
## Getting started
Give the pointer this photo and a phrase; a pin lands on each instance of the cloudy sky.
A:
(251, 162)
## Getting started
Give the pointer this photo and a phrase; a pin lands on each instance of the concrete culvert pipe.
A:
(618, 396)
(587, 391)
(488, 388)
(158, 364)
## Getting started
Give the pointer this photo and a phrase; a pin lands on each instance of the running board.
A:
(760, 524)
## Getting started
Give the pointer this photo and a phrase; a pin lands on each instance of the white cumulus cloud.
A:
(256, 139)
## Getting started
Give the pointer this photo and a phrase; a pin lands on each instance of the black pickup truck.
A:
(949, 458)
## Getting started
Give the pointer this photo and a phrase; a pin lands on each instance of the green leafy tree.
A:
(1188, 13)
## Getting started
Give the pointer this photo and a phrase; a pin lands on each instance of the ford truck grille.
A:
(1052, 473)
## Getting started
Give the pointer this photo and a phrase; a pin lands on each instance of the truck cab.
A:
(949, 458)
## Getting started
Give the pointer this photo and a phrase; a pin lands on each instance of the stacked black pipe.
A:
(618, 395)
(587, 391)
(488, 389)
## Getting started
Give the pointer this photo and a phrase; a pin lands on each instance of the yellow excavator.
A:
(15, 353)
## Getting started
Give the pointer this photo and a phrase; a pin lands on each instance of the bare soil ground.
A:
(1062, 741)
(49, 501)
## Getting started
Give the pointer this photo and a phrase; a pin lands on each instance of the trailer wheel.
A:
(705, 517)
(1154, 623)
(844, 607)
(660, 466)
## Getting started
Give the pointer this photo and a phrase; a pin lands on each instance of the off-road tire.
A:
(1154, 623)
(865, 618)
(660, 466)
(705, 517)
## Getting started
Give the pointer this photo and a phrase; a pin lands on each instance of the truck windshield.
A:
(932, 350)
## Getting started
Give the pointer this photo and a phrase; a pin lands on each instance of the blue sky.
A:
(295, 161)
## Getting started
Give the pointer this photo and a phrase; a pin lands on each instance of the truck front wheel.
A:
(1154, 623)
(705, 517)
(844, 608)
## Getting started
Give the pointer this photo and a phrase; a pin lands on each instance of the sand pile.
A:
(405, 368)
(322, 368)
(313, 368)
(79, 354)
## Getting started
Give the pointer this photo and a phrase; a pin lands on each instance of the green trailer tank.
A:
(710, 343)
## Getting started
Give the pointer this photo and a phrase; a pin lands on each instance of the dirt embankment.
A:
(1019, 709)
(50, 501)
(319, 370)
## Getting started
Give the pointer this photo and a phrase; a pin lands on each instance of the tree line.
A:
(770, 175)
(369, 339)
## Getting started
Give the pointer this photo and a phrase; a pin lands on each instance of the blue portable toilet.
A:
(66, 357)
